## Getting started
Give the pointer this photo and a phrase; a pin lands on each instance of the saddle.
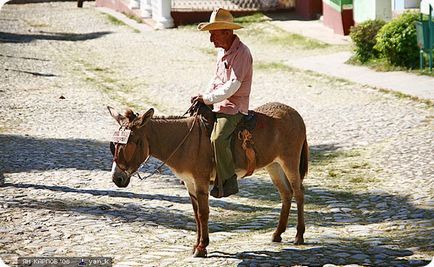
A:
(243, 131)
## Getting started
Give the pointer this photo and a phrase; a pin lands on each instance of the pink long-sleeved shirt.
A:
(229, 90)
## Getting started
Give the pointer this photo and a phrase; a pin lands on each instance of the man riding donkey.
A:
(228, 92)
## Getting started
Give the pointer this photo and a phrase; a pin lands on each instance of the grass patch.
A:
(382, 65)
(323, 158)
(274, 35)
(120, 90)
(429, 103)
(330, 79)
(292, 39)
(333, 173)
(343, 170)
(115, 21)
(376, 64)
(272, 66)
(362, 179)
(250, 19)
(133, 17)
(360, 165)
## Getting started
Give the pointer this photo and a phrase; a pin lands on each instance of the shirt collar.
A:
(234, 46)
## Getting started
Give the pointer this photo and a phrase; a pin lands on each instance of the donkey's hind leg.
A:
(281, 183)
(291, 170)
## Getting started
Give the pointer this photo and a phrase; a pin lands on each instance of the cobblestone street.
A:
(369, 190)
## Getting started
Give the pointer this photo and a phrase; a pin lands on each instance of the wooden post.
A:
(80, 3)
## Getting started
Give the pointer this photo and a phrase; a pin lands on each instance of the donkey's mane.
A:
(131, 116)
(168, 117)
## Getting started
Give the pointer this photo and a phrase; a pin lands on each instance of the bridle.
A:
(116, 152)
(158, 169)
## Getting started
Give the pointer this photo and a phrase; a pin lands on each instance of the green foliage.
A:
(396, 41)
(364, 39)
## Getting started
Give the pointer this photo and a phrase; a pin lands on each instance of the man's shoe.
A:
(215, 191)
(230, 186)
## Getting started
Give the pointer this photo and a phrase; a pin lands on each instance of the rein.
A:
(158, 169)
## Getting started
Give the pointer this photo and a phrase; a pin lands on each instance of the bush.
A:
(364, 38)
(396, 41)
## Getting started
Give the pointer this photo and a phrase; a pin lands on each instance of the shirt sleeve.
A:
(240, 67)
(222, 92)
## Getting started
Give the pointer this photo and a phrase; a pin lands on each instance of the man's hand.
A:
(198, 98)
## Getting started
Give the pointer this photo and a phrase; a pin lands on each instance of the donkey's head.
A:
(128, 156)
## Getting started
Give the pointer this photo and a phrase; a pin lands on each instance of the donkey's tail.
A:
(304, 159)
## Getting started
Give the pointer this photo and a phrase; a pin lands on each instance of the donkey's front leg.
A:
(203, 215)
(196, 217)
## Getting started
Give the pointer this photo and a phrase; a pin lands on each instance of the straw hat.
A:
(220, 19)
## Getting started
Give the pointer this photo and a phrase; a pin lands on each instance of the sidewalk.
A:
(313, 29)
(334, 64)
(398, 81)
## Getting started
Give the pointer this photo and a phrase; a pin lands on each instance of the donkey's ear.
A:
(146, 117)
(118, 117)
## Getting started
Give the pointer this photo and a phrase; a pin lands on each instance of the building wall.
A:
(240, 5)
(364, 10)
(398, 5)
(384, 10)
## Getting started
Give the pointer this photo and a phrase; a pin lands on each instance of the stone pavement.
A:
(369, 189)
(333, 64)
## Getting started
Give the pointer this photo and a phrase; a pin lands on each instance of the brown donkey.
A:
(280, 145)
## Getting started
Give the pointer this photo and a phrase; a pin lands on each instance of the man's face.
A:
(218, 37)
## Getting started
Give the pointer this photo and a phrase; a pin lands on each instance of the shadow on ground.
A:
(129, 195)
(23, 154)
(320, 255)
(7, 37)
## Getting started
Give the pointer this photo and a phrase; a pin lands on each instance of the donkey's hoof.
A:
(277, 238)
(299, 241)
(200, 252)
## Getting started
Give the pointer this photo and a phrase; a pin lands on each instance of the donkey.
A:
(183, 143)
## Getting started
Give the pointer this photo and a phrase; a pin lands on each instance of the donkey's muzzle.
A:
(119, 177)
(121, 180)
